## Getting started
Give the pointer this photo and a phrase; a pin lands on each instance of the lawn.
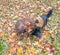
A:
(12, 10)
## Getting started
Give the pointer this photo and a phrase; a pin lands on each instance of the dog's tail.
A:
(46, 16)
(49, 13)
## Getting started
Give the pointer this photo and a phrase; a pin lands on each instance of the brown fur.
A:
(28, 24)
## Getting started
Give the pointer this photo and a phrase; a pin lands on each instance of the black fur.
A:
(36, 31)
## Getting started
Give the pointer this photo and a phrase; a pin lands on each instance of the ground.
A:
(13, 10)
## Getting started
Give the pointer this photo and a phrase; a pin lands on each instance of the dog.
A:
(32, 26)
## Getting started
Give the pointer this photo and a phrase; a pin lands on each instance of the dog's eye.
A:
(36, 21)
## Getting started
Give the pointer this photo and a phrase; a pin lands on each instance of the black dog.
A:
(37, 31)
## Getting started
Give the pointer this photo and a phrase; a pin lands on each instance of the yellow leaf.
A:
(32, 50)
(36, 43)
(19, 50)
(13, 34)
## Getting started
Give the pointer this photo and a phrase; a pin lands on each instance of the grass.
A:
(11, 11)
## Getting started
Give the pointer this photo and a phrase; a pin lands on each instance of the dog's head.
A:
(39, 22)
